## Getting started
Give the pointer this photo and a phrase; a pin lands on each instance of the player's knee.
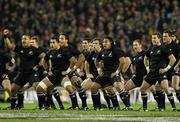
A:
(95, 87)
(42, 87)
(142, 90)
(76, 81)
(86, 84)
(175, 86)
(109, 90)
(119, 86)
(14, 90)
(8, 90)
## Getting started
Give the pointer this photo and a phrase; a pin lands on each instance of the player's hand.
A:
(35, 68)
(100, 72)
(176, 68)
(89, 76)
(6, 33)
(50, 73)
(163, 70)
(79, 72)
(69, 70)
(114, 74)
(64, 73)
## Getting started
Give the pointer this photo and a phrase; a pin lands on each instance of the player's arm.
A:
(176, 68)
(146, 63)
(10, 64)
(87, 69)
(49, 67)
(99, 66)
(133, 69)
(70, 69)
(72, 61)
(80, 61)
(8, 43)
(125, 62)
(172, 60)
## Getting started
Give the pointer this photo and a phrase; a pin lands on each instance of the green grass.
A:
(29, 115)
(18, 120)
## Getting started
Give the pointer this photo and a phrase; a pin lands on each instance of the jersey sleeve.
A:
(68, 53)
(98, 56)
(18, 49)
(132, 61)
(47, 57)
(119, 53)
(38, 51)
(167, 51)
(147, 52)
(7, 57)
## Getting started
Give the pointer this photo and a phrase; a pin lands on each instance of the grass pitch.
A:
(29, 115)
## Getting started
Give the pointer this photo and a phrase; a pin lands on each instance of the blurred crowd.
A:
(124, 20)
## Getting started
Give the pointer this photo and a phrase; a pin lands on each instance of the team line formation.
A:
(99, 65)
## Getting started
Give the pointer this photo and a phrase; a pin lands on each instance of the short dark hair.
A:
(158, 34)
(173, 32)
(168, 31)
(56, 38)
(66, 36)
(26, 34)
(113, 43)
(97, 39)
(138, 41)
(35, 38)
(86, 39)
(109, 38)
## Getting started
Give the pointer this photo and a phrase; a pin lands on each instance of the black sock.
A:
(83, 96)
(74, 100)
(41, 100)
(58, 98)
(114, 101)
(156, 97)
(107, 98)
(124, 97)
(96, 100)
(171, 100)
(161, 96)
(49, 101)
(13, 101)
(144, 99)
(20, 95)
(178, 96)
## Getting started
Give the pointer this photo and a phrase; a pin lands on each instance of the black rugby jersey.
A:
(158, 57)
(28, 57)
(4, 58)
(174, 47)
(59, 58)
(91, 60)
(110, 59)
(138, 62)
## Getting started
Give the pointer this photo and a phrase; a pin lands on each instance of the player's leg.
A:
(165, 87)
(159, 96)
(66, 83)
(119, 85)
(56, 95)
(95, 94)
(42, 87)
(176, 85)
(77, 81)
(129, 85)
(145, 85)
(112, 95)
